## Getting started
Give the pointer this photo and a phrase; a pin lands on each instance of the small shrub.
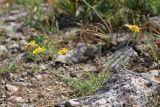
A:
(89, 85)
(9, 67)
(42, 43)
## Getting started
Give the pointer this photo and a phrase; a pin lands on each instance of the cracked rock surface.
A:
(124, 88)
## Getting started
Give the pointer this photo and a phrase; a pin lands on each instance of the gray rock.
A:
(70, 32)
(73, 56)
(42, 67)
(10, 30)
(61, 59)
(76, 55)
(72, 103)
(13, 26)
(121, 37)
(10, 19)
(23, 84)
(11, 77)
(1, 100)
(16, 99)
(14, 15)
(20, 57)
(39, 77)
(14, 47)
(124, 88)
(154, 24)
(152, 75)
(3, 50)
(90, 68)
(27, 105)
(11, 88)
(119, 58)
(16, 36)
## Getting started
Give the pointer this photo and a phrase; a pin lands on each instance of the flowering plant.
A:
(63, 51)
(133, 28)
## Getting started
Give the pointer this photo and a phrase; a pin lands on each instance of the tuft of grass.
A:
(39, 18)
(89, 85)
(154, 49)
(30, 3)
(155, 100)
(9, 67)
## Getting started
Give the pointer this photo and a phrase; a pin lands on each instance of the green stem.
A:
(71, 62)
(59, 76)
(98, 16)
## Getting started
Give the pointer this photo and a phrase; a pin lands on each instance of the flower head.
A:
(31, 44)
(38, 50)
(63, 51)
(133, 28)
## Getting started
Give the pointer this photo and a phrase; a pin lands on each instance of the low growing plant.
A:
(88, 86)
(9, 67)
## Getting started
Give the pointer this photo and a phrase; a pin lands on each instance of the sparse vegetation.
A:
(89, 85)
(102, 27)
(8, 68)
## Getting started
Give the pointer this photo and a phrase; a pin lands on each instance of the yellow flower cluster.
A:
(133, 28)
(37, 49)
(63, 51)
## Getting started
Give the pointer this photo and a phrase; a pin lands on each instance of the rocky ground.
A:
(133, 82)
(32, 85)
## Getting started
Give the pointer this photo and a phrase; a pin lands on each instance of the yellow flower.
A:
(63, 51)
(38, 50)
(133, 28)
(31, 44)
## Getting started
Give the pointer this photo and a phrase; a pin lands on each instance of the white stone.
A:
(11, 88)
(3, 49)
(17, 99)
(42, 67)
